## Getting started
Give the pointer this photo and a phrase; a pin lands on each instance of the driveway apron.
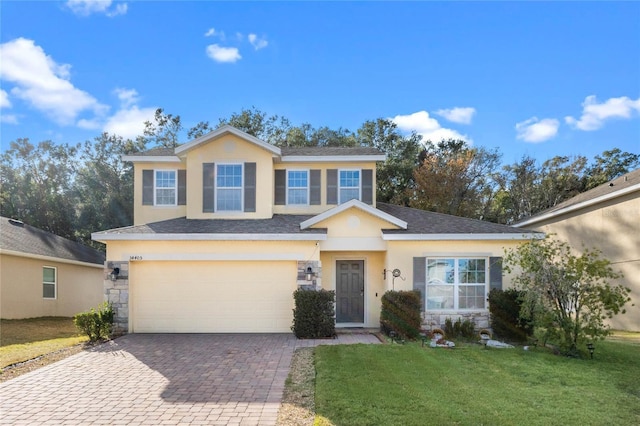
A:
(161, 379)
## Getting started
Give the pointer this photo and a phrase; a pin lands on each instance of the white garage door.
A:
(212, 297)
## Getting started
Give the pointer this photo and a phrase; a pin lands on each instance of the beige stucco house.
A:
(227, 227)
(607, 218)
(42, 274)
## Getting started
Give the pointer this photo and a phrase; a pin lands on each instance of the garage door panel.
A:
(217, 297)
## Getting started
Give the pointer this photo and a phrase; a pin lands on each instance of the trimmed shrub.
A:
(401, 314)
(97, 324)
(460, 329)
(505, 307)
(314, 314)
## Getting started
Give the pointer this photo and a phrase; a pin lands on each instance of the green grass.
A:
(469, 385)
(24, 339)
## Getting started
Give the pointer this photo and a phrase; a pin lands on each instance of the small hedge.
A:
(314, 314)
(504, 306)
(401, 314)
(460, 329)
(97, 324)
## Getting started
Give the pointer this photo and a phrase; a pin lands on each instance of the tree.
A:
(610, 165)
(272, 129)
(164, 131)
(568, 296)
(456, 179)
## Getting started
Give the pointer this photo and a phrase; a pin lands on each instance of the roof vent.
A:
(611, 184)
(16, 222)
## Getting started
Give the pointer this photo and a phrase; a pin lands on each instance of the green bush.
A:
(401, 314)
(314, 314)
(97, 324)
(460, 329)
(506, 322)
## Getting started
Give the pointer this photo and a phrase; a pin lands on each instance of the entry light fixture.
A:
(114, 274)
(591, 349)
(309, 273)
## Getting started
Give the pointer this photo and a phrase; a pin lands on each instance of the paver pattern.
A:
(162, 379)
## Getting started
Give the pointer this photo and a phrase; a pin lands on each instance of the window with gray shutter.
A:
(249, 187)
(182, 187)
(280, 196)
(314, 188)
(420, 277)
(332, 186)
(495, 273)
(367, 186)
(208, 187)
(147, 187)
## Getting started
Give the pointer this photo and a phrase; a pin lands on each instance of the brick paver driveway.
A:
(161, 379)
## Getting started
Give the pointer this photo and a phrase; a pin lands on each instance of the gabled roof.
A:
(330, 153)
(357, 205)
(17, 238)
(223, 130)
(623, 185)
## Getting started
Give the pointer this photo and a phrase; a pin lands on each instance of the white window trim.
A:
(456, 284)
(340, 187)
(308, 188)
(155, 188)
(55, 282)
(215, 207)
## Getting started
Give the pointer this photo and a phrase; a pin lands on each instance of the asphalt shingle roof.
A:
(19, 237)
(320, 151)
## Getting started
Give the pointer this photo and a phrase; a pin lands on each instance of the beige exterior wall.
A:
(79, 288)
(323, 186)
(148, 214)
(614, 228)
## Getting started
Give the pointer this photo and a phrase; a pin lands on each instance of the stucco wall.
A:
(79, 288)
(148, 214)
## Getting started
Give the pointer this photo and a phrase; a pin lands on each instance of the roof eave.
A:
(102, 237)
(151, 158)
(463, 237)
(331, 158)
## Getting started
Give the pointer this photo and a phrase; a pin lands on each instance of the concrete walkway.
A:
(162, 379)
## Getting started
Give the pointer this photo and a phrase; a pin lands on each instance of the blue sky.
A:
(530, 78)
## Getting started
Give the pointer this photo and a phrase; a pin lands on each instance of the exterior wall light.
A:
(114, 274)
(309, 273)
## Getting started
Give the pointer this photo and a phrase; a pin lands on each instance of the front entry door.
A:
(350, 291)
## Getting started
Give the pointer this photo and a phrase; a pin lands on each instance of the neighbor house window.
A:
(297, 187)
(49, 280)
(348, 185)
(165, 188)
(456, 283)
(228, 187)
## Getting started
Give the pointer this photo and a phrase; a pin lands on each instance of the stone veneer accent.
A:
(437, 320)
(117, 293)
(301, 280)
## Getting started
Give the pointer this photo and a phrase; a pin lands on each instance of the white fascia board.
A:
(578, 206)
(461, 237)
(359, 205)
(224, 257)
(331, 158)
(151, 158)
(207, 237)
(228, 129)
(49, 258)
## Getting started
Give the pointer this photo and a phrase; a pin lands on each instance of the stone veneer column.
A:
(117, 293)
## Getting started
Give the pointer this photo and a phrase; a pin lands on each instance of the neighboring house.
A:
(42, 274)
(227, 226)
(606, 218)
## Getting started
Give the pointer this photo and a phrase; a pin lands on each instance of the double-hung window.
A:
(298, 187)
(166, 188)
(456, 283)
(348, 185)
(228, 187)
(49, 282)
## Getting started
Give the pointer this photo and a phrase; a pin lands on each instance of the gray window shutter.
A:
(147, 187)
(182, 187)
(420, 277)
(280, 197)
(495, 273)
(208, 187)
(367, 186)
(249, 187)
(314, 188)
(332, 186)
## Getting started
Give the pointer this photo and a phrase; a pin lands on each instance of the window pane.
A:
(440, 296)
(165, 179)
(297, 182)
(471, 271)
(229, 200)
(49, 291)
(297, 179)
(229, 176)
(165, 196)
(350, 178)
(297, 196)
(440, 271)
(348, 194)
(48, 275)
(471, 297)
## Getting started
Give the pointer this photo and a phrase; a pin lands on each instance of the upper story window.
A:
(49, 282)
(349, 185)
(297, 187)
(165, 188)
(456, 283)
(228, 187)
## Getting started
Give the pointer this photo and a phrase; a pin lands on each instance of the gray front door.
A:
(350, 291)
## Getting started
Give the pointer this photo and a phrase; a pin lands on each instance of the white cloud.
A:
(4, 99)
(223, 54)
(129, 122)
(428, 127)
(88, 7)
(9, 118)
(594, 114)
(534, 130)
(258, 43)
(127, 97)
(43, 83)
(210, 32)
(458, 114)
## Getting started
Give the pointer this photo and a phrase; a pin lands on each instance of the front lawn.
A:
(25, 339)
(469, 385)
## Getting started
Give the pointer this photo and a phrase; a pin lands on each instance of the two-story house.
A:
(227, 227)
